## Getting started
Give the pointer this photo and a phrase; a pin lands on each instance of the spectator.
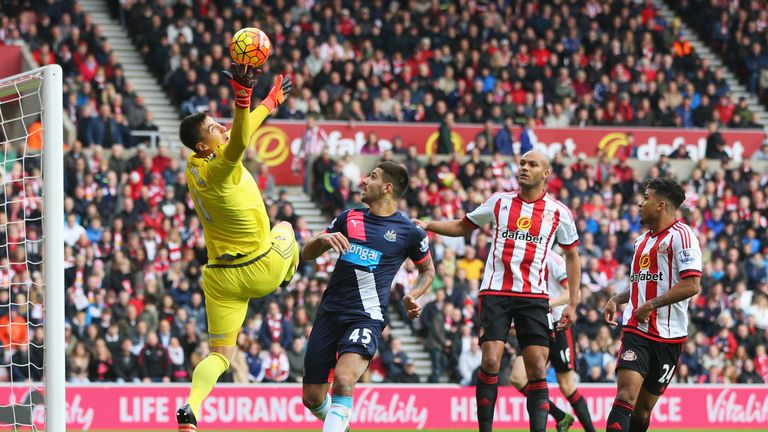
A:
(275, 363)
(444, 138)
(126, 363)
(528, 137)
(154, 363)
(101, 368)
(749, 374)
(253, 359)
(505, 138)
(469, 362)
(276, 327)
(408, 375)
(296, 360)
(394, 359)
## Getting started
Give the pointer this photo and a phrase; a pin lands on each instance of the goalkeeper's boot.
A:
(186, 419)
(565, 424)
(293, 267)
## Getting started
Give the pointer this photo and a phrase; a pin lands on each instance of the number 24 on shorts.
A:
(666, 375)
(363, 334)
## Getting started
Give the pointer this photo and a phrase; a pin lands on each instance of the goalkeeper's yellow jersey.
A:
(228, 203)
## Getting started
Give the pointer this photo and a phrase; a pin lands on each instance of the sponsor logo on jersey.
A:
(522, 236)
(362, 256)
(646, 276)
(390, 236)
(524, 223)
(644, 262)
(629, 355)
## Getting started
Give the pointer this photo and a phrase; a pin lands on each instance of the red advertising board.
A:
(11, 64)
(393, 407)
(278, 142)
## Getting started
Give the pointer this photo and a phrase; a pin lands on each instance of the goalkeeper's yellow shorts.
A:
(228, 285)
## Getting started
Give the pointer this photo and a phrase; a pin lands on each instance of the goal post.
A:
(34, 98)
(53, 246)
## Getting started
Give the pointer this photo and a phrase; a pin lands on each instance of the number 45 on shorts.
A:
(362, 334)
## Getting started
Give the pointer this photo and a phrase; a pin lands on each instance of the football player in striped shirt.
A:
(528, 222)
(665, 273)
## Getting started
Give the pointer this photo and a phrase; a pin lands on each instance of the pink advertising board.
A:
(438, 407)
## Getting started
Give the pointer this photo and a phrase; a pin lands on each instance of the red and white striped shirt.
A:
(660, 262)
(525, 232)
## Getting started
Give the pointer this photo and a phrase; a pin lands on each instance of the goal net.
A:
(32, 252)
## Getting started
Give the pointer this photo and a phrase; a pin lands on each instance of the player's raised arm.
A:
(242, 78)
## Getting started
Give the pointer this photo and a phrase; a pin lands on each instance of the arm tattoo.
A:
(660, 302)
(422, 281)
(621, 298)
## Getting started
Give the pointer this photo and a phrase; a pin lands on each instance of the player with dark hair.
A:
(665, 273)
(372, 244)
(528, 222)
(245, 258)
(561, 352)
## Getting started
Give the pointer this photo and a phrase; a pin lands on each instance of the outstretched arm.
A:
(245, 122)
(452, 228)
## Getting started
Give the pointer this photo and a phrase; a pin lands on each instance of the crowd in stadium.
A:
(135, 247)
(586, 63)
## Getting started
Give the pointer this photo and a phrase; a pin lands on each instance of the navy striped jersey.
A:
(362, 279)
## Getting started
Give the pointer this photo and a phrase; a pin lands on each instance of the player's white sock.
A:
(322, 411)
(338, 418)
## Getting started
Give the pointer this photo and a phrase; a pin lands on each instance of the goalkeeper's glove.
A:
(242, 78)
(279, 92)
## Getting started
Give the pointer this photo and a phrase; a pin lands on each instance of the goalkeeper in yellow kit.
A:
(245, 258)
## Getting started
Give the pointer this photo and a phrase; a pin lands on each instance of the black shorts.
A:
(333, 335)
(533, 323)
(561, 353)
(656, 361)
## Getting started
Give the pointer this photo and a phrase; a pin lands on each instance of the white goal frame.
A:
(53, 239)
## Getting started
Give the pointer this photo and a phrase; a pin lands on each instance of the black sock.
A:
(582, 412)
(538, 404)
(618, 419)
(485, 393)
(637, 424)
(554, 411)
